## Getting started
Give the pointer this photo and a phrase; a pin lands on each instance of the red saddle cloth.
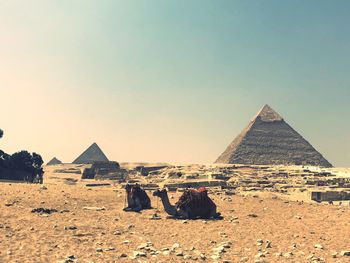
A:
(199, 190)
(194, 198)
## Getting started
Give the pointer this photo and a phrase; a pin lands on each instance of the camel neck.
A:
(170, 209)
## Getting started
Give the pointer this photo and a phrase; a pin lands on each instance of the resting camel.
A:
(191, 205)
(137, 198)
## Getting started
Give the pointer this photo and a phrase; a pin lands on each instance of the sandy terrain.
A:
(297, 231)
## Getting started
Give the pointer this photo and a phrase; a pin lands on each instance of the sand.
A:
(293, 228)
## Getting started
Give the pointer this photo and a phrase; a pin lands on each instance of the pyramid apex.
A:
(267, 114)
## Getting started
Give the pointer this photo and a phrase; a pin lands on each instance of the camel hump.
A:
(194, 198)
(202, 189)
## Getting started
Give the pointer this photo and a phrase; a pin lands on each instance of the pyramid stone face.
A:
(54, 161)
(268, 139)
(91, 155)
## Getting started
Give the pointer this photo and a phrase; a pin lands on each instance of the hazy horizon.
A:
(171, 81)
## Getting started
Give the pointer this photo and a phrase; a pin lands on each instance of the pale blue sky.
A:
(171, 81)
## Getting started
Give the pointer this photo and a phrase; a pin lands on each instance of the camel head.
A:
(160, 193)
(128, 188)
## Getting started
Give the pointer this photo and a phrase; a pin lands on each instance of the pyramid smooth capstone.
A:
(268, 139)
(91, 155)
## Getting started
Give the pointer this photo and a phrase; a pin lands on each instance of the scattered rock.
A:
(117, 233)
(142, 246)
(253, 215)
(70, 228)
(42, 210)
(179, 254)
(259, 255)
(92, 208)
(175, 246)
(268, 244)
(138, 254)
(10, 203)
(287, 254)
(319, 246)
(345, 253)
(69, 259)
(155, 216)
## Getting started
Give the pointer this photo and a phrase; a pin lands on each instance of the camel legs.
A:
(182, 214)
(134, 206)
(214, 214)
(138, 205)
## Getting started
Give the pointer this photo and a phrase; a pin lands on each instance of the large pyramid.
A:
(268, 139)
(91, 155)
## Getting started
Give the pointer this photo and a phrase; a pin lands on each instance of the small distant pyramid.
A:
(54, 161)
(91, 155)
(268, 139)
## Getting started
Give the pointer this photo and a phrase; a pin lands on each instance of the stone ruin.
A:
(105, 171)
(330, 196)
(231, 179)
(146, 170)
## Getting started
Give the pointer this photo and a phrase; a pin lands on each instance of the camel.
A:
(137, 198)
(192, 204)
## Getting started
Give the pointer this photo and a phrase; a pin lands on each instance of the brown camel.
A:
(137, 198)
(191, 205)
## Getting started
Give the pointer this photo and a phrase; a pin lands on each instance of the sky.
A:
(171, 81)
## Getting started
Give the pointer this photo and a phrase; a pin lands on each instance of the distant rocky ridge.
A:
(268, 139)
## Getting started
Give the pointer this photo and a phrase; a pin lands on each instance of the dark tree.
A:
(21, 161)
(37, 161)
(4, 159)
(24, 161)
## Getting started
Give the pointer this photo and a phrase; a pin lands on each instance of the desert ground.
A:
(89, 225)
